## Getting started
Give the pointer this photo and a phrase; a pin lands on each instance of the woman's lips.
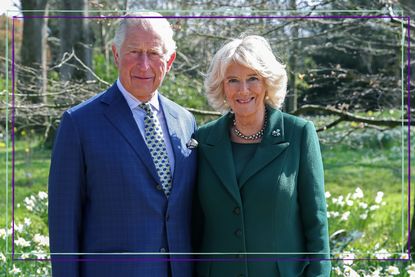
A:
(245, 101)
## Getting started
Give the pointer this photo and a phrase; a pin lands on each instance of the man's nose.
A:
(143, 61)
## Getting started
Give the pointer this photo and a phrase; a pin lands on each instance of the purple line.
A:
(153, 259)
(409, 134)
(13, 146)
(214, 16)
(206, 17)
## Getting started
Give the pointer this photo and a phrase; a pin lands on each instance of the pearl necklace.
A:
(255, 136)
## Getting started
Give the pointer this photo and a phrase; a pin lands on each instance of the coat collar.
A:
(219, 150)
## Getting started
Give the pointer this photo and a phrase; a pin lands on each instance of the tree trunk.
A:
(76, 36)
(291, 100)
(33, 49)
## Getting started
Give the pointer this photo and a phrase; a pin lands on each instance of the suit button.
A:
(159, 187)
(238, 232)
(163, 250)
(237, 211)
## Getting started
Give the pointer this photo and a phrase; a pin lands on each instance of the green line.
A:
(402, 134)
(7, 130)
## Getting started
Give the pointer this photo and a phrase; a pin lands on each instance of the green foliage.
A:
(363, 184)
(104, 68)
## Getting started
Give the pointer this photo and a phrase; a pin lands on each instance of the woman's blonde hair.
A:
(255, 53)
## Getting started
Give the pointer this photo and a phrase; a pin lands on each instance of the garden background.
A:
(348, 65)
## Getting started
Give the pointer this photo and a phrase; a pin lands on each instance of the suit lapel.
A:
(272, 145)
(121, 117)
(218, 151)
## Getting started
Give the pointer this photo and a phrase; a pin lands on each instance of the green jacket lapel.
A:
(218, 152)
(272, 145)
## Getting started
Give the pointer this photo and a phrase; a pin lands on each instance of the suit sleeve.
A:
(66, 182)
(313, 203)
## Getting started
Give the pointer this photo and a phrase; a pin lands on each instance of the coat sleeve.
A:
(313, 203)
(66, 196)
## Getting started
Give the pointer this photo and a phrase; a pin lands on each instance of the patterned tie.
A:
(155, 143)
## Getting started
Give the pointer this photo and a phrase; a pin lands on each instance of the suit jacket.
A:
(105, 195)
(277, 207)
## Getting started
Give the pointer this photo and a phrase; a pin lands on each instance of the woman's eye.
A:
(233, 81)
(253, 79)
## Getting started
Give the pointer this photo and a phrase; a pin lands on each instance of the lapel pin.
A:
(276, 133)
(192, 143)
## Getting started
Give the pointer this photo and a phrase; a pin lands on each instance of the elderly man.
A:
(122, 176)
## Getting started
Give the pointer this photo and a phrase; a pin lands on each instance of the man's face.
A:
(141, 62)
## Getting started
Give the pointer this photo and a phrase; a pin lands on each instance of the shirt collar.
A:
(134, 102)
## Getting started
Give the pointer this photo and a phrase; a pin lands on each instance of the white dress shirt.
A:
(139, 115)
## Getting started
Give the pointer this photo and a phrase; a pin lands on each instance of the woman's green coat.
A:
(277, 207)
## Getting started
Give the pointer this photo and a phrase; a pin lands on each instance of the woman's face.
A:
(244, 90)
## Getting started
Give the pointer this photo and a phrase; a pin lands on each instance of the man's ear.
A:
(170, 61)
(115, 54)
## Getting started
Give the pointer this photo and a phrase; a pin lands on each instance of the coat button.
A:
(238, 232)
(237, 211)
(159, 187)
(163, 250)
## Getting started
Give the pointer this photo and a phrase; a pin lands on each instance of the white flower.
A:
(42, 195)
(411, 267)
(22, 242)
(404, 256)
(337, 270)
(379, 196)
(27, 221)
(382, 254)
(377, 272)
(41, 240)
(328, 215)
(327, 194)
(374, 207)
(411, 273)
(335, 214)
(363, 205)
(18, 228)
(338, 201)
(358, 193)
(349, 203)
(345, 216)
(15, 270)
(3, 233)
(25, 255)
(393, 270)
(41, 256)
(2, 257)
(348, 271)
(363, 216)
(348, 258)
(30, 203)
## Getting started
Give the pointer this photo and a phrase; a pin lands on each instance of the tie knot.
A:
(146, 107)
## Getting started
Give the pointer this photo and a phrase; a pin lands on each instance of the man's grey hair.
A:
(147, 21)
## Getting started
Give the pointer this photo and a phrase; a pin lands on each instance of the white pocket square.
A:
(192, 143)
